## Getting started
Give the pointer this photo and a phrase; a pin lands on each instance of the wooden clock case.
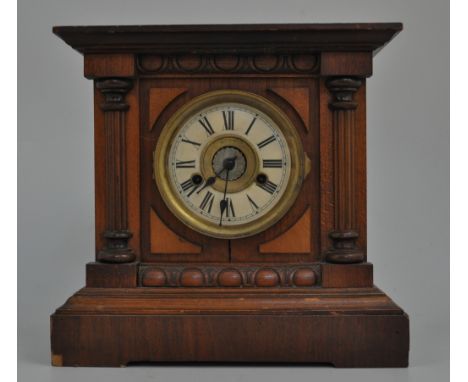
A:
(301, 291)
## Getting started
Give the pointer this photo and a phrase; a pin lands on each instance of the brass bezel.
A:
(170, 195)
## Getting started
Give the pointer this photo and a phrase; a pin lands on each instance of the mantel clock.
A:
(230, 178)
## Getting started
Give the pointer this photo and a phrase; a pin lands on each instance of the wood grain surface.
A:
(342, 327)
(302, 290)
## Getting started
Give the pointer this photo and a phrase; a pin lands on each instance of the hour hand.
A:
(209, 181)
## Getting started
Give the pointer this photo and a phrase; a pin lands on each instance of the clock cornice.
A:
(229, 39)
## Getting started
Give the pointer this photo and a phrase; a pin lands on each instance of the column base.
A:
(343, 257)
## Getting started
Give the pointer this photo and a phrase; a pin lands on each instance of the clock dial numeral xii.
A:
(228, 117)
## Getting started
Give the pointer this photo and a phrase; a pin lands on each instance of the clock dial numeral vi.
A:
(230, 209)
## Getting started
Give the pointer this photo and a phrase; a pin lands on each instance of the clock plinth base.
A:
(344, 327)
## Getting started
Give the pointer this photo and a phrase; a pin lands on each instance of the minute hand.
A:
(223, 203)
(228, 164)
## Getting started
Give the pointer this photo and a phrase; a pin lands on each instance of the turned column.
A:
(345, 233)
(116, 234)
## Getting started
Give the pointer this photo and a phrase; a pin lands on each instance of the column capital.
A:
(342, 90)
(114, 91)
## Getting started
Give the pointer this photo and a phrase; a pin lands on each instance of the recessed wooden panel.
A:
(208, 248)
(299, 99)
(294, 240)
(248, 249)
(163, 240)
(159, 99)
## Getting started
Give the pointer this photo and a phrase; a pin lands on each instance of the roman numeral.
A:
(252, 203)
(188, 185)
(228, 117)
(230, 209)
(268, 186)
(191, 142)
(187, 164)
(206, 125)
(207, 202)
(266, 142)
(250, 126)
(272, 163)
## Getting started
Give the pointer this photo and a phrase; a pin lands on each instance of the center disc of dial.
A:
(233, 154)
(223, 148)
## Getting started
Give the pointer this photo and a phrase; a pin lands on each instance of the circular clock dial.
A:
(227, 163)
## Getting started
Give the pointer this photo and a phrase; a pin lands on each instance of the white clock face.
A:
(229, 164)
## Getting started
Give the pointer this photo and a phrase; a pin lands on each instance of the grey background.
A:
(408, 178)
